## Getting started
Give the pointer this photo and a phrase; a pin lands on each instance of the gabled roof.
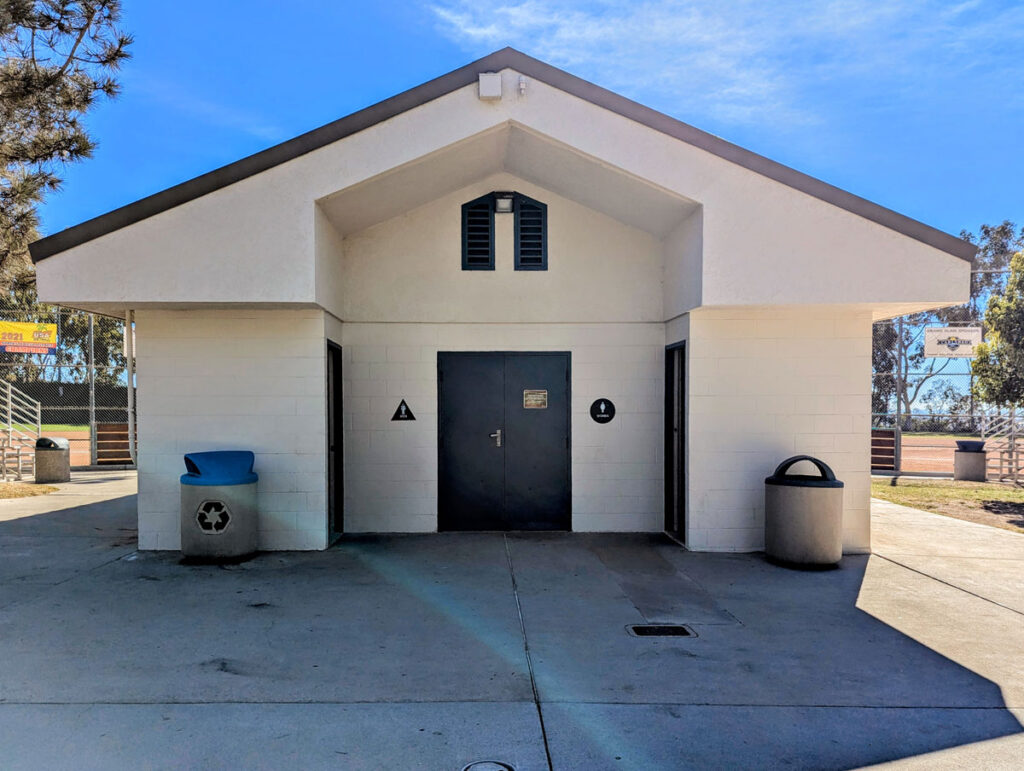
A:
(511, 59)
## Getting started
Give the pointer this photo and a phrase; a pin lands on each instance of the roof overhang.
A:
(504, 59)
(523, 153)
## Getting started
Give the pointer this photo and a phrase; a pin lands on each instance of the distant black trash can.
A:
(53, 460)
(218, 505)
(970, 461)
(803, 516)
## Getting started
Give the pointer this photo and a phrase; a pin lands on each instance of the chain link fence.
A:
(921, 405)
(82, 389)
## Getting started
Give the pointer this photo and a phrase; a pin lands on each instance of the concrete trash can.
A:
(970, 461)
(53, 460)
(218, 505)
(803, 516)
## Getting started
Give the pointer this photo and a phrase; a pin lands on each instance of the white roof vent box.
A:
(490, 86)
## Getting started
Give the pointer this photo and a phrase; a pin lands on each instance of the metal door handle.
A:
(496, 436)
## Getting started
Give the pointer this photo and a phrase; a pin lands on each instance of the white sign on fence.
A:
(951, 342)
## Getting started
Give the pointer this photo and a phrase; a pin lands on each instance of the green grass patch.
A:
(918, 492)
(47, 427)
(988, 503)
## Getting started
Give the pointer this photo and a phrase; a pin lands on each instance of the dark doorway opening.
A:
(503, 441)
(335, 442)
(675, 440)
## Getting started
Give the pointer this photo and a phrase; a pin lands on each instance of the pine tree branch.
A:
(78, 41)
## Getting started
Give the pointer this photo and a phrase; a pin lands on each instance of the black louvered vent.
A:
(531, 234)
(478, 234)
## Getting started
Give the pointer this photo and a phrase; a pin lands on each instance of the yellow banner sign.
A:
(26, 337)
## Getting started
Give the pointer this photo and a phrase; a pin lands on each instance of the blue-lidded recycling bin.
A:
(218, 505)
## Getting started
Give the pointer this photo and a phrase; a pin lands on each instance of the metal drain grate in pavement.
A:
(660, 630)
(488, 765)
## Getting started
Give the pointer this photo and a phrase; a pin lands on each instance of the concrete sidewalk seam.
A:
(526, 650)
(947, 583)
(276, 702)
(951, 556)
(98, 536)
(552, 702)
(741, 705)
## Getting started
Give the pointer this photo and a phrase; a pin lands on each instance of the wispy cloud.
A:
(749, 61)
(202, 108)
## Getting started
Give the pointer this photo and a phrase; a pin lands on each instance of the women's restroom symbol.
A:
(602, 410)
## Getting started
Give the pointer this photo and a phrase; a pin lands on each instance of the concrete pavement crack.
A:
(50, 587)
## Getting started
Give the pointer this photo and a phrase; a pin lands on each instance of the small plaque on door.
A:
(535, 400)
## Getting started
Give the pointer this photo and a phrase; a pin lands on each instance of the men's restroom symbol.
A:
(403, 412)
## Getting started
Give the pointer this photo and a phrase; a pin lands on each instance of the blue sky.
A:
(917, 105)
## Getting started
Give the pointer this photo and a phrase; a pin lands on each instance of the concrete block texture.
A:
(765, 384)
(391, 467)
(749, 407)
(234, 380)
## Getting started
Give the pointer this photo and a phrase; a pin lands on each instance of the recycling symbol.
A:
(213, 516)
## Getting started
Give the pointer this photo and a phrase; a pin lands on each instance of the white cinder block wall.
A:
(227, 380)
(765, 385)
(600, 299)
(409, 268)
(391, 467)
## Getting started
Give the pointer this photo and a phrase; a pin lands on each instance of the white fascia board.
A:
(252, 241)
(764, 242)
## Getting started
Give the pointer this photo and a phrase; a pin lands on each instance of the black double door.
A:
(503, 436)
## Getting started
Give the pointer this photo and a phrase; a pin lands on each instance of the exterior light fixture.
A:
(503, 202)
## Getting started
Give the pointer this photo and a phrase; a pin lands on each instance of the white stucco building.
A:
(720, 301)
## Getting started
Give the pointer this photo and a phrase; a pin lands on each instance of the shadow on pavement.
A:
(786, 668)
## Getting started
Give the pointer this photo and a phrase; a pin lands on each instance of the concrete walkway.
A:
(960, 591)
(434, 651)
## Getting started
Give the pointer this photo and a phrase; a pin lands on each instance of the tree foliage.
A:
(883, 366)
(902, 372)
(60, 56)
(999, 365)
(990, 268)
